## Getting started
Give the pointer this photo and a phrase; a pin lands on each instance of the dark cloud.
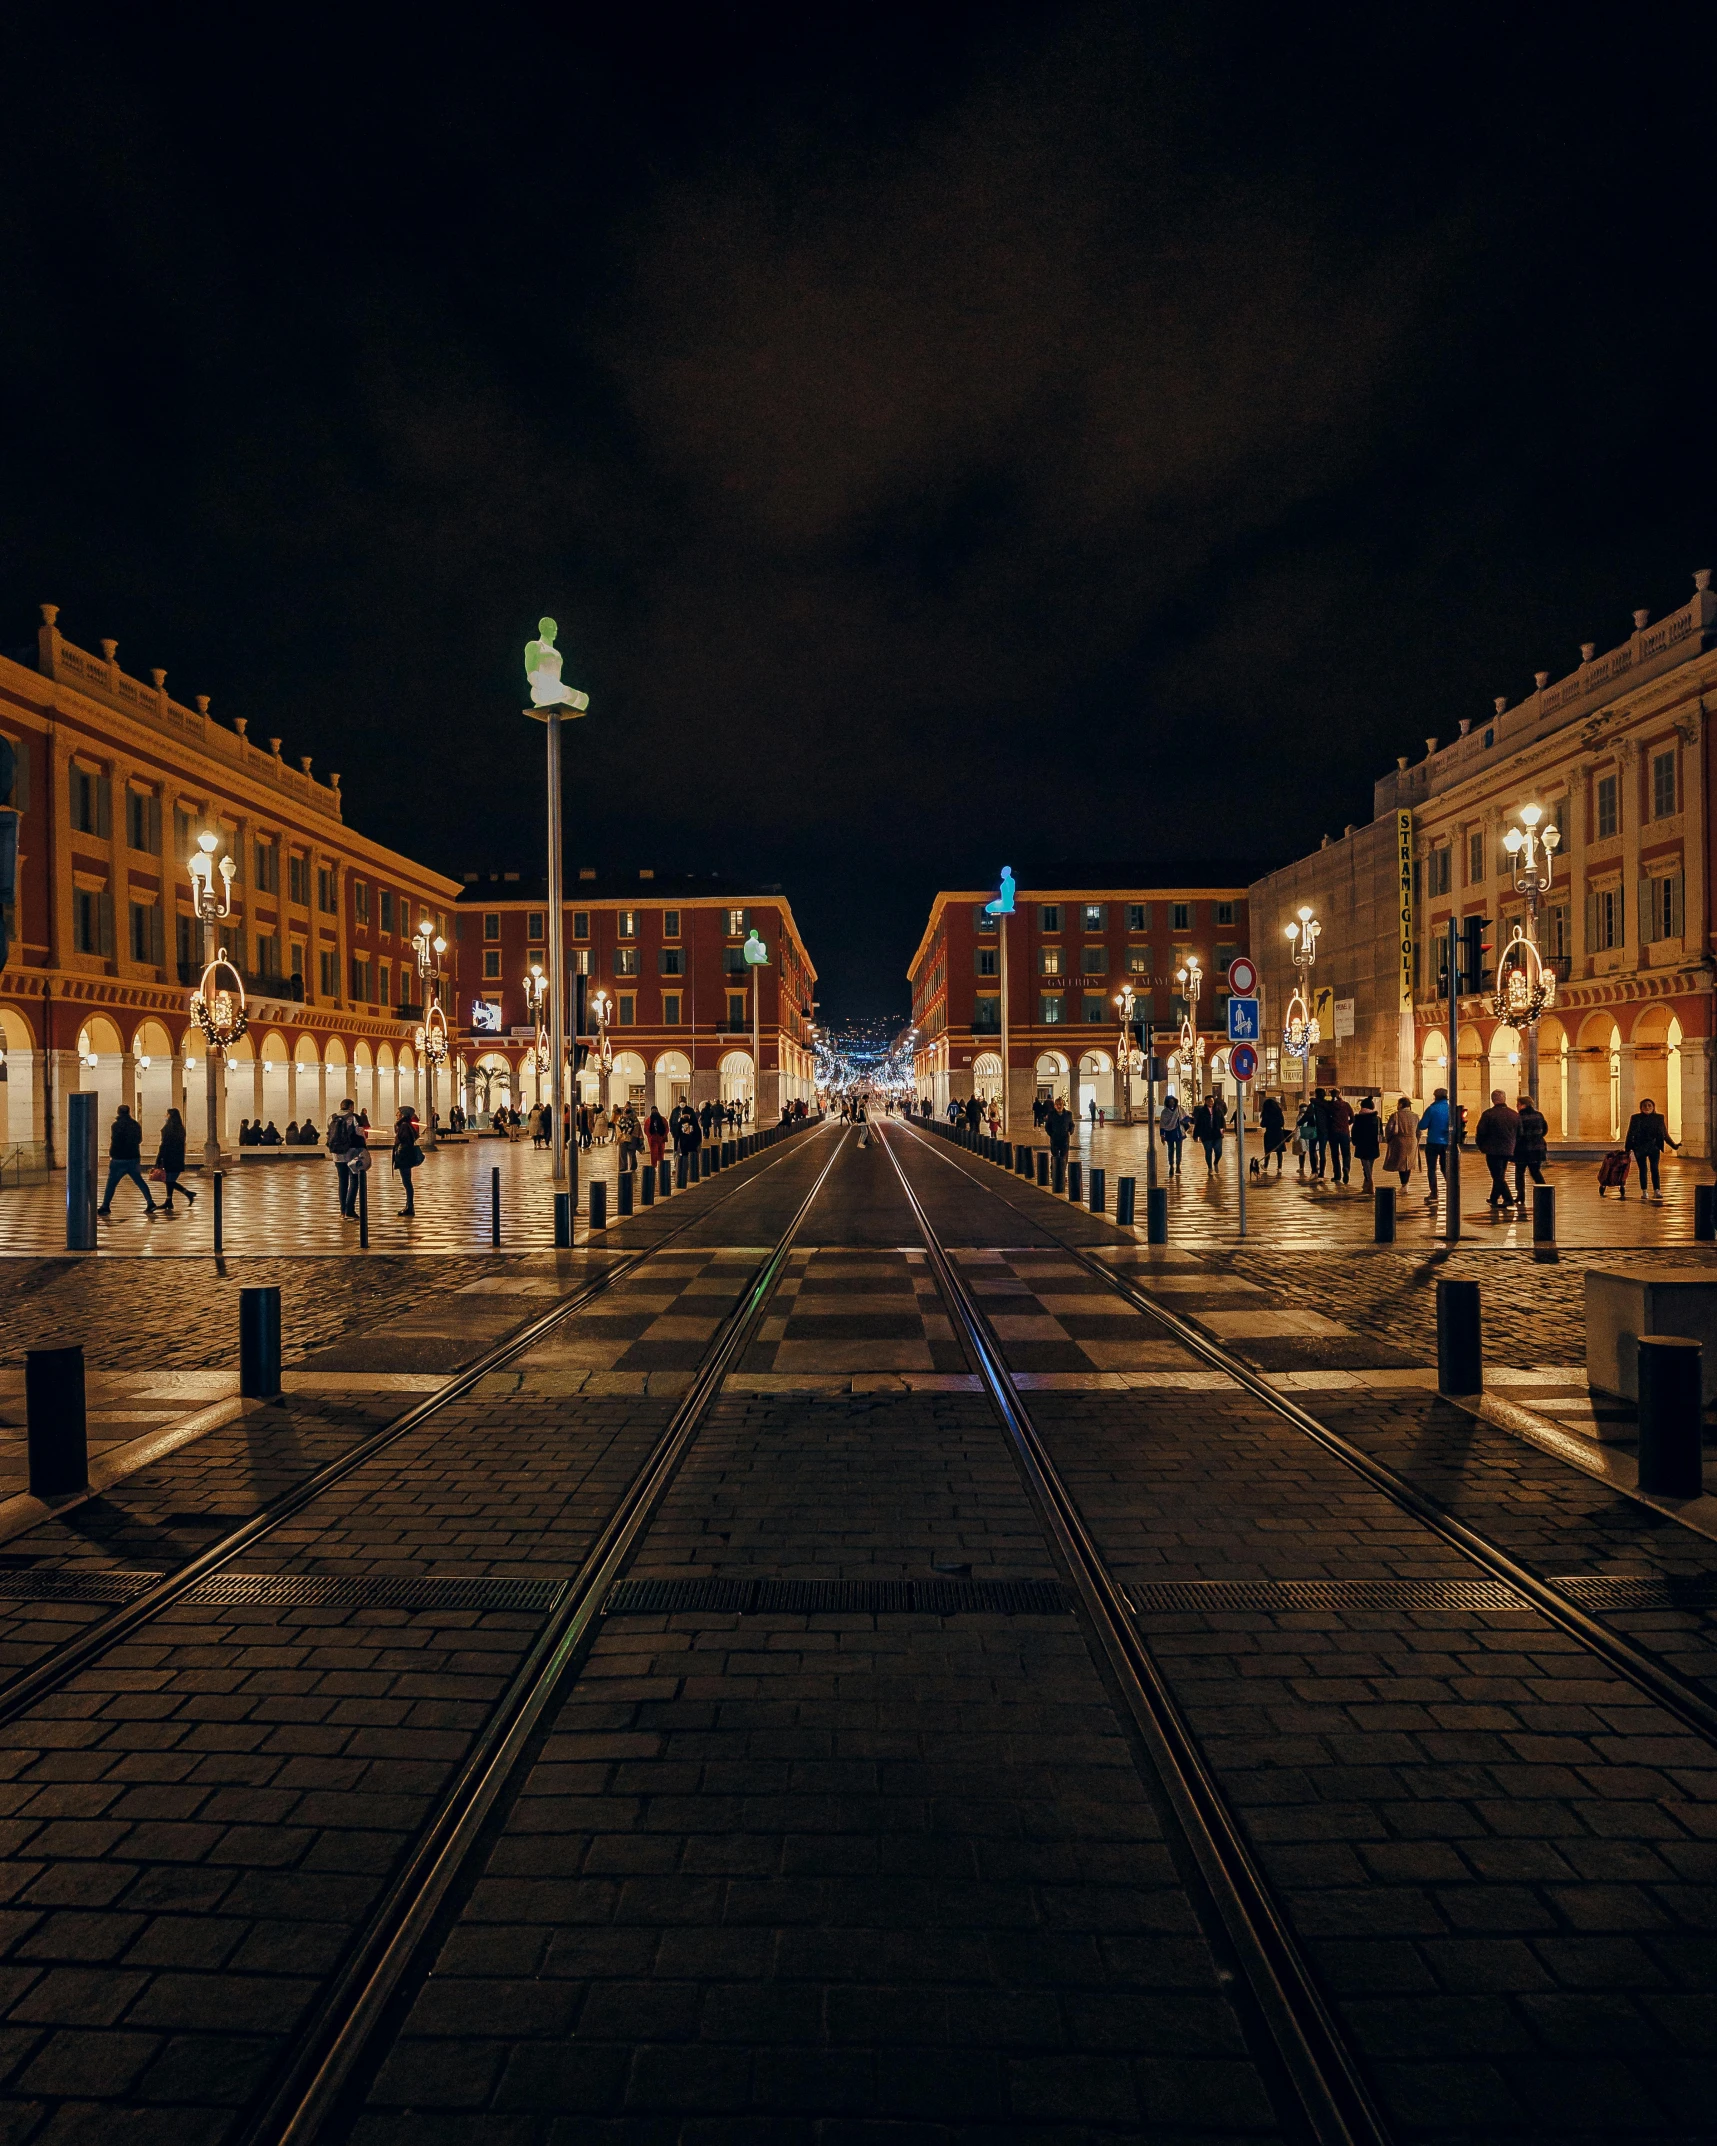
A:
(1030, 430)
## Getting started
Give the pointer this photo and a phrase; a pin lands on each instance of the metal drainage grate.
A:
(288, 1590)
(1607, 1591)
(747, 1598)
(1324, 1594)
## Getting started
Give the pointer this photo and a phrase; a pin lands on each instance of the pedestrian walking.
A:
(1340, 1137)
(170, 1161)
(1648, 1136)
(1306, 1136)
(346, 1144)
(1218, 1125)
(1434, 1131)
(1367, 1140)
(656, 1132)
(1495, 1134)
(1204, 1132)
(124, 1160)
(1531, 1146)
(1275, 1125)
(1058, 1125)
(1401, 1136)
(407, 1154)
(1171, 1123)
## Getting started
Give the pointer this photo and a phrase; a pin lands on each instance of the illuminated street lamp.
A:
(601, 1006)
(536, 996)
(1524, 986)
(432, 1033)
(1124, 1003)
(210, 910)
(1300, 1032)
(1191, 1052)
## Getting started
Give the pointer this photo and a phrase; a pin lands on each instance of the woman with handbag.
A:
(406, 1154)
(170, 1160)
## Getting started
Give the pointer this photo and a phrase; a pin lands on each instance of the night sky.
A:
(947, 435)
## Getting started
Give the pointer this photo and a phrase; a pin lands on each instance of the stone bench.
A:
(1620, 1306)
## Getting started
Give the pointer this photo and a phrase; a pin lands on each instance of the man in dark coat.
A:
(124, 1152)
(1495, 1135)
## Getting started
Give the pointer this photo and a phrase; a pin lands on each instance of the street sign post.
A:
(1243, 976)
(1243, 1061)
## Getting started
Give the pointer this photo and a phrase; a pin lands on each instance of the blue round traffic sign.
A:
(1243, 1061)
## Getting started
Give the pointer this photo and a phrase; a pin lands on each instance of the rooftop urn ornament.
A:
(542, 668)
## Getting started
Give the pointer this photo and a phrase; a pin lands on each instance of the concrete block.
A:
(1664, 1300)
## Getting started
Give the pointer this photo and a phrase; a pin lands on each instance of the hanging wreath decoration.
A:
(1524, 985)
(1300, 1031)
(217, 1004)
(432, 1037)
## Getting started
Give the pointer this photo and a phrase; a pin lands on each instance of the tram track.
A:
(1334, 2101)
(42, 1678)
(1664, 1685)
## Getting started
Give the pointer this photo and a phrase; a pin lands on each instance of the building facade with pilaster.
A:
(115, 781)
(1617, 756)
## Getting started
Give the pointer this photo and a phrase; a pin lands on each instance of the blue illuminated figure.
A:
(1003, 905)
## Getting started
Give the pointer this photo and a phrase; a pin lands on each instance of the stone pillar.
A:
(1642, 1074)
(128, 1081)
(176, 1078)
(291, 1091)
(1697, 1096)
(321, 1096)
(64, 1075)
(1579, 1080)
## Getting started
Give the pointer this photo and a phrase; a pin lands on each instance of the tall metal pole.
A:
(1151, 1100)
(1002, 927)
(1532, 1024)
(1452, 1153)
(556, 948)
(212, 1070)
(756, 1051)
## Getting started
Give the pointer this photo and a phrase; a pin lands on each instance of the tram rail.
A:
(1658, 1680)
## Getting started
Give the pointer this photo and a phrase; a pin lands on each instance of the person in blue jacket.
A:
(1434, 1131)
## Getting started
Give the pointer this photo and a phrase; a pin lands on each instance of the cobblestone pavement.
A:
(874, 1876)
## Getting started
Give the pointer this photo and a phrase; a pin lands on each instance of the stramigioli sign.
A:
(1404, 879)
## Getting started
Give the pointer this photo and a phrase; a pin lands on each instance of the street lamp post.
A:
(1300, 1033)
(1001, 909)
(1524, 986)
(210, 910)
(429, 947)
(1124, 1000)
(600, 1007)
(553, 704)
(536, 990)
(1191, 982)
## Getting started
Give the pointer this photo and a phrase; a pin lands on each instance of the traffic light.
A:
(1475, 947)
(580, 1052)
(580, 985)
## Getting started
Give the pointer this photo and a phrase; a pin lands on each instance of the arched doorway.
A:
(364, 1080)
(274, 1094)
(734, 1075)
(987, 1077)
(1657, 1064)
(309, 1104)
(101, 1071)
(1433, 1066)
(1552, 1097)
(1595, 1071)
(19, 1116)
(673, 1081)
(1052, 1071)
(1096, 1084)
(628, 1082)
(152, 1069)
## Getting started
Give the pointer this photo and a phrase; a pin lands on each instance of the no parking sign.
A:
(1243, 1061)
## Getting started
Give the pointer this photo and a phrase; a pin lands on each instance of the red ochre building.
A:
(1072, 944)
(668, 951)
(115, 780)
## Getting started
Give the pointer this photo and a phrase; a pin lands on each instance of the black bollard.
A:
(1156, 1214)
(680, 1171)
(363, 1210)
(56, 1432)
(1705, 1213)
(623, 1194)
(219, 1218)
(729, 1154)
(1097, 1193)
(706, 1160)
(1043, 1166)
(259, 1343)
(81, 1172)
(1058, 1170)
(1075, 1181)
(1383, 1215)
(1460, 1351)
(647, 1187)
(1125, 1191)
(494, 1206)
(1671, 1456)
(1544, 1222)
(562, 1221)
(599, 1203)
(664, 1177)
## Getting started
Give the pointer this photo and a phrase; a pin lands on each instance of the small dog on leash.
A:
(1255, 1167)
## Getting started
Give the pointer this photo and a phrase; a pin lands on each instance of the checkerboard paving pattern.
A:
(1051, 1315)
(647, 1334)
(846, 1313)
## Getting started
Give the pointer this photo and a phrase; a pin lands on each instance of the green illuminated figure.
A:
(542, 668)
